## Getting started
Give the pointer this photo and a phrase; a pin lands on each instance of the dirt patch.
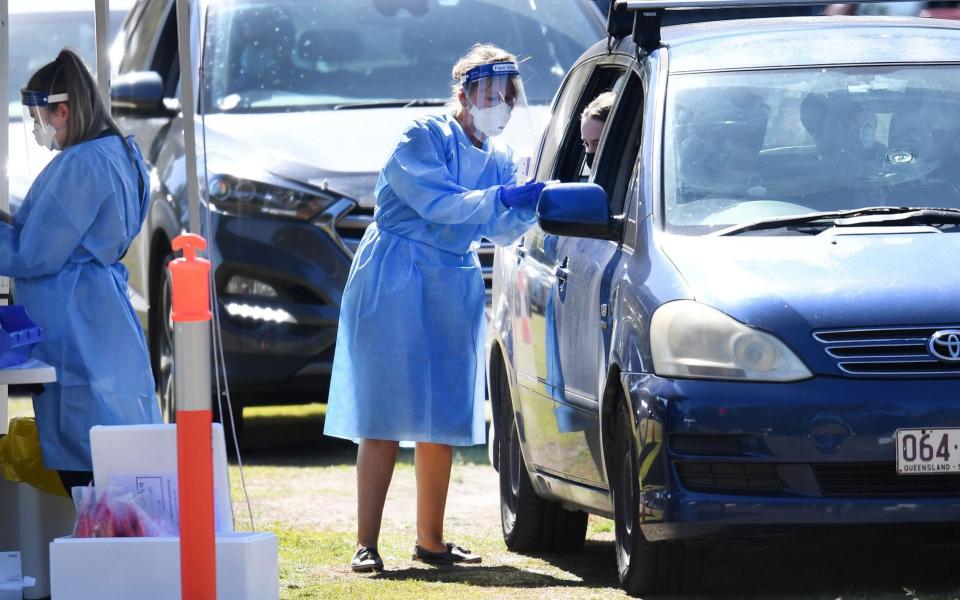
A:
(321, 498)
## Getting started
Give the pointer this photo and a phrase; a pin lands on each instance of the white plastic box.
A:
(149, 568)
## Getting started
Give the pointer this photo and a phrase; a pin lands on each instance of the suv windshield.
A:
(750, 146)
(279, 55)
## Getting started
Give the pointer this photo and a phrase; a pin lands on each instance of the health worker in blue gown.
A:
(408, 364)
(63, 249)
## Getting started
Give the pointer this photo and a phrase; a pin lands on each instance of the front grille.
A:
(889, 351)
(880, 480)
(730, 478)
(350, 228)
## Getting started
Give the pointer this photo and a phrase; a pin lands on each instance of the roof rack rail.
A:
(644, 18)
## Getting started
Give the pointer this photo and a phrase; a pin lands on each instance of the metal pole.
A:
(189, 112)
(191, 316)
(102, 25)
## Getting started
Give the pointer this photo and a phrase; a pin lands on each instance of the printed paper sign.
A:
(159, 495)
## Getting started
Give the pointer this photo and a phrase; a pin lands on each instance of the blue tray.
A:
(18, 335)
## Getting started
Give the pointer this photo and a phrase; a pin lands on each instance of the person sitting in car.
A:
(592, 121)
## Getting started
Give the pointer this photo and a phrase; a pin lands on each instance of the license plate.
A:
(926, 451)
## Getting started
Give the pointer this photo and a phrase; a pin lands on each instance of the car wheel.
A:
(643, 567)
(165, 365)
(529, 522)
(162, 351)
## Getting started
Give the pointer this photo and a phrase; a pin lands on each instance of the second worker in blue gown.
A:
(409, 360)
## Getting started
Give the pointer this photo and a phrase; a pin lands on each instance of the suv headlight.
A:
(243, 197)
(693, 340)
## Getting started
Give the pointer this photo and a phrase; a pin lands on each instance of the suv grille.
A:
(882, 352)
(351, 227)
(880, 480)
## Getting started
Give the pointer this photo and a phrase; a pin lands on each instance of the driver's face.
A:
(590, 132)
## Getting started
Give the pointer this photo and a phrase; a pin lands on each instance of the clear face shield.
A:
(493, 92)
(36, 117)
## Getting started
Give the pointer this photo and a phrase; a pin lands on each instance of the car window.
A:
(297, 54)
(142, 38)
(740, 147)
(620, 143)
(564, 112)
(570, 164)
(37, 37)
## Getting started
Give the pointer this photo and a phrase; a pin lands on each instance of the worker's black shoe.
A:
(366, 560)
(453, 554)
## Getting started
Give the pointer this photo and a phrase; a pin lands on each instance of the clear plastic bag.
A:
(115, 512)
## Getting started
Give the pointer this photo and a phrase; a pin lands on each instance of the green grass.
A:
(313, 566)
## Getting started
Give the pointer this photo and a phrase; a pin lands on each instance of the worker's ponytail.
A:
(68, 74)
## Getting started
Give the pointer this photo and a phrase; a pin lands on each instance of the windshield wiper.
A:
(391, 103)
(915, 215)
(872, 215)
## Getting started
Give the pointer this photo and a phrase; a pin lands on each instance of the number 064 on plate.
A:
(928, 451)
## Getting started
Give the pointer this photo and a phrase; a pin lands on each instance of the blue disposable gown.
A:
(408, 363)
(64, 250)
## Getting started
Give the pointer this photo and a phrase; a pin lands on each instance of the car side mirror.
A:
(576, 209)
(139, 93)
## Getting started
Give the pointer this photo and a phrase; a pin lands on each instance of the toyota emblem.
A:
(945, 345)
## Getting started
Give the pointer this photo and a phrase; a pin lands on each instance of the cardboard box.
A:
(149, 568)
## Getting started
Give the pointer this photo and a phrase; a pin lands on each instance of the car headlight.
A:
(243, 197)
(693, 340)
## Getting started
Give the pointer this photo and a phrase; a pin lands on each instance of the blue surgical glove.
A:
(521, 196)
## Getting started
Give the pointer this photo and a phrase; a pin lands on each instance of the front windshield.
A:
(278, 55)
(747, 146)
(36, 38)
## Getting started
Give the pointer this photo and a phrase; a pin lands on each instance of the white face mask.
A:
(491, 121)
(46, 135)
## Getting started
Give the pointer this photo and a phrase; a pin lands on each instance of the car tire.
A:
(529, 522)
(643, 567)
(161, 343)
(164, 367)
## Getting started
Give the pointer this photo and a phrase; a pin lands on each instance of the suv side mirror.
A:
(139, 93)
(576, 209)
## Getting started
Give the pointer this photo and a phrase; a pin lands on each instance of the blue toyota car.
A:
(744, 318)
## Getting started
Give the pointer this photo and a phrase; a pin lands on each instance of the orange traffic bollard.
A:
(190, 277)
